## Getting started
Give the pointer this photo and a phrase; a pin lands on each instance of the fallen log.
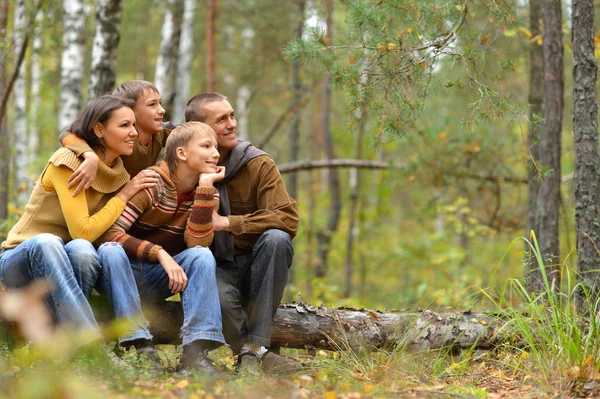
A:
(307, 327)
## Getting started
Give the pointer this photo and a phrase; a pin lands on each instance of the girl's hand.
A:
(177, 278)
(85, 174)
(207, 179)
(145, 179)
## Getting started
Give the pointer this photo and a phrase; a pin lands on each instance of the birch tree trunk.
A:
(550, 140)
(325, 235)
(4, 143)
(19, 139)
(211, 33)
(72, 62)
(36, 77)
(166, 65)
(587, 160)
(292, 185)
(533, 274)
(104, 51)
(184, 64)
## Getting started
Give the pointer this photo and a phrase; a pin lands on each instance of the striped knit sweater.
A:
(158, 218)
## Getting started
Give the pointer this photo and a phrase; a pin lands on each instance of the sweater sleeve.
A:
(134, 247)
(74, 143)
(199, 229)
(75, 209)
(276, 209)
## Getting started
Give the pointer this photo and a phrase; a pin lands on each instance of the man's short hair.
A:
(133, 89)
(194, 110)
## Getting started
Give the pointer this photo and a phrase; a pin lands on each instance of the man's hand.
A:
(85, 174)
(177, 278)
(208, 179)
(220, 223)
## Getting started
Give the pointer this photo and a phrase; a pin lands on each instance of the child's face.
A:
(149, 113)
(201, 153)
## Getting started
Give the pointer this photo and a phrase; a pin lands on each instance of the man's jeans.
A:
(200, 300)
(251, 288)
(72, 268)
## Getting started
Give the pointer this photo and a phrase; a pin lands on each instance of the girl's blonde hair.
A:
(181, 136)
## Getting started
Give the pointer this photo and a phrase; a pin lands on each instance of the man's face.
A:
(221, 117)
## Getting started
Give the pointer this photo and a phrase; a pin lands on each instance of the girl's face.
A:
(201, 153)
(118, 134)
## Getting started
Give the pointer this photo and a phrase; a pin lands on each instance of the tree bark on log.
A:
(303, 326)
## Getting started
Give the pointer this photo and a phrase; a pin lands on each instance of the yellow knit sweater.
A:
(53, 209)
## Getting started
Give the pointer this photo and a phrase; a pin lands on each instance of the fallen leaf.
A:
(182, 384)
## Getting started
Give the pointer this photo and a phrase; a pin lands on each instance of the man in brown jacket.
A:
(253, 239)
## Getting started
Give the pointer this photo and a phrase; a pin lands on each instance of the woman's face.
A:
(201, 153)
(118, 134)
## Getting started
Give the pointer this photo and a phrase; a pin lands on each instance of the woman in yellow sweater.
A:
(53, 237)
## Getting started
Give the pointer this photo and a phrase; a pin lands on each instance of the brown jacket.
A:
(258, 202)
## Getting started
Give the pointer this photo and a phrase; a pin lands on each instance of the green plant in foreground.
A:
(560, 344)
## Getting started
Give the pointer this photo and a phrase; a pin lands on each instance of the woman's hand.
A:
(145, 179)
(207, 179)
(85, 174)
(177, 278)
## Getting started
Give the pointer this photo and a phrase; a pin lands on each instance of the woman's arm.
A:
(75, 208)
(85, 174)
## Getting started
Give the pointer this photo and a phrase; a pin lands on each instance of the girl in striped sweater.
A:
(161, 243)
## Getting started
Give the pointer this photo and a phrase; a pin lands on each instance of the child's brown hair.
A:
(133, 89)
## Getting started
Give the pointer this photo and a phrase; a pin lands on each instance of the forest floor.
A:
(501, 373)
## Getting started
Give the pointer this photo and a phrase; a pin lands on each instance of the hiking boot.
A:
(270, 363)
(274, 364)
(195, 359)
(248, 364)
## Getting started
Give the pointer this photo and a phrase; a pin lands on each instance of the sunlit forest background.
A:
(431, 228)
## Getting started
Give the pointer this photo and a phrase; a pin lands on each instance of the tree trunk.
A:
(4, 144)
(36, 78)
(242, 112)
(587, 160)
(104, 52)
(19, 137)
(211, 33)
(72, 63)
(292, 183)
(550, 141)
(354, 184)
(307, 327)
(325, 235)
(184, 61)
(533, 276)
(166, 64)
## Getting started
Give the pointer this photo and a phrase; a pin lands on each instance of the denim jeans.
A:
(127, 280)
(72, 268)
(251, 288)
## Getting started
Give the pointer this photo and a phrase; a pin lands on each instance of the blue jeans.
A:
(126, 281)
(72, 268)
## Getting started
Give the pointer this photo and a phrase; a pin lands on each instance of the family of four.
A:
(212, 222)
